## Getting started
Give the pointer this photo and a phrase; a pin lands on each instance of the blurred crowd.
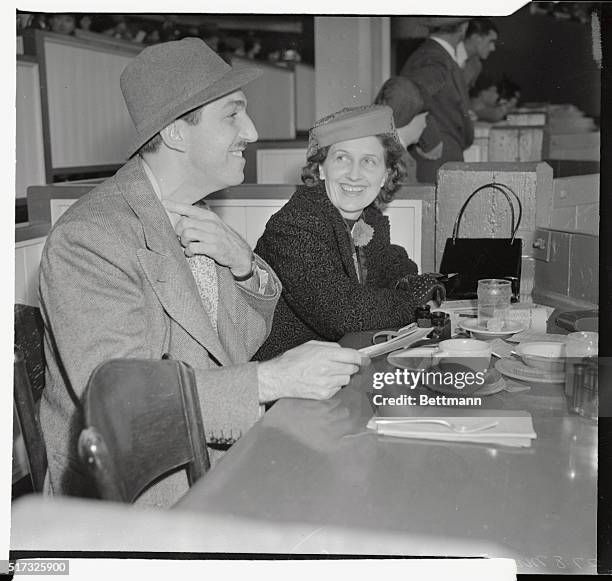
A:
(142, 30)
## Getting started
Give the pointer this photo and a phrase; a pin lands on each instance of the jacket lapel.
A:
(461, 88)
(456, 73)
(461, 85)
(164, 264)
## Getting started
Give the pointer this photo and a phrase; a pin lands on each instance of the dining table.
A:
(315, 465)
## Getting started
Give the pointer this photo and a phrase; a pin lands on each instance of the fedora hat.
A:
(170, 79)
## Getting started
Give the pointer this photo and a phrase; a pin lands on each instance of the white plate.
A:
(510, 328)
(518, 370)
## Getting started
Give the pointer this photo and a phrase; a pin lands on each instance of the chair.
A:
(28, 384)
(142, 421)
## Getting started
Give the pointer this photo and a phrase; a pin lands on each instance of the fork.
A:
(460, 429)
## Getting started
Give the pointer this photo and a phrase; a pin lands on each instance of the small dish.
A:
(484, 334)
(516, 369)
(546, 355)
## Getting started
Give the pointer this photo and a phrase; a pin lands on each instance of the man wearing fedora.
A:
(134, 269)
(434, 67)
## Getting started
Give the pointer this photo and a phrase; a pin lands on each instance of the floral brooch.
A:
(362, 233)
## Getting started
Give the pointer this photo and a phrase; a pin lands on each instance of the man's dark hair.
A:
(481, 27)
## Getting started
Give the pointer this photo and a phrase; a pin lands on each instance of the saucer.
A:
(517, 370)
(480, 332)
(494, 383)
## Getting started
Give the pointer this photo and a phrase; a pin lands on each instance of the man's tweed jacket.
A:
(448, 102)
(114, 282)
(308, 246)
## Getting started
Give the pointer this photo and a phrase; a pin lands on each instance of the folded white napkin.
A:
(516, 430)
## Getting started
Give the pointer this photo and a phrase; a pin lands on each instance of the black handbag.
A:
(467, 260)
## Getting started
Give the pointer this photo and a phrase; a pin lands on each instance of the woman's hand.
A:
(423, 288)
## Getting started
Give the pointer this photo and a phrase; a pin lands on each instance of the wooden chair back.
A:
(142, 421)
(28, 385)
(27, 414)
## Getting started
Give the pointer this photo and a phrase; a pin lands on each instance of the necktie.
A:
(205, 275)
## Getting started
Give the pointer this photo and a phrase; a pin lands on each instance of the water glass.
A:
(494, 297)
(581, 381)
(578, 346)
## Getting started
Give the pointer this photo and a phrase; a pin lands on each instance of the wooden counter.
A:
(314, 464)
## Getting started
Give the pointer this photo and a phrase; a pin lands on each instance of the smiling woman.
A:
(330, 244)
(354, 171)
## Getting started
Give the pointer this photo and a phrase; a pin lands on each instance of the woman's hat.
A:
(404, 97)
(351, 123)
(170, 79)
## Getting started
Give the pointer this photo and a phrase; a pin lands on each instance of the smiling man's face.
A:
(215, 146)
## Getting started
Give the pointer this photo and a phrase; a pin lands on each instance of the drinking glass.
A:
(581, 382)
(494, 296)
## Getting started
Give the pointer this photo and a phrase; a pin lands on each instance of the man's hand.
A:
(314, 370)
(404, 134)
(203, 232)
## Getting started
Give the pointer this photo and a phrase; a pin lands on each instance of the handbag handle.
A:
(502, 188)
(518, 201)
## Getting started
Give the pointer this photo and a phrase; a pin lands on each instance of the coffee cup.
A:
(463, 355)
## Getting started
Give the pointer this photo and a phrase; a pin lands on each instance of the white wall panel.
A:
(88, 120)
(280, 166)
(304, 96)
(405, 219)
(27, 263)
(29, 151)
(271, 100)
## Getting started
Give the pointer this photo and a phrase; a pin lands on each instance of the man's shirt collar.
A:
(155, 185)
(447, 47)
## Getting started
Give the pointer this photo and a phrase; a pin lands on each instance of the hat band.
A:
(348, 133)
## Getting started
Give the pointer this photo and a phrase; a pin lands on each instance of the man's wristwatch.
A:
(249, 274)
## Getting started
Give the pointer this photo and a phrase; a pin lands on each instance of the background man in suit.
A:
(134, 269)
(434, 68)
(480, 38)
